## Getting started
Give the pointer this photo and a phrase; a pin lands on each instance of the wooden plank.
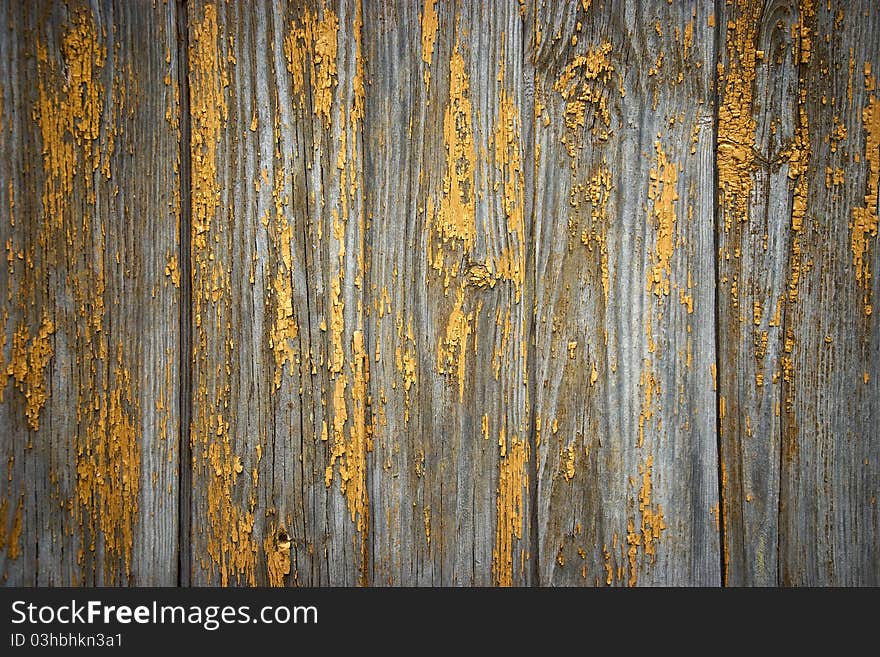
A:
(88, 326)
(289, 371)
(625, 302)
(281, 424)
(448, 301)
(796, 294)
(757, 120)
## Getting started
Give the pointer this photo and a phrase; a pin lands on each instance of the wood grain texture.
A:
(341, 376)
(625, 340)
(88, 325)
(438, 292)
(281, 427)
(798, 360)
(448, 303)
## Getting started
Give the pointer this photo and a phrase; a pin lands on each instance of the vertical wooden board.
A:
(797, 226)
(88, 326)
(624, 305)
(406, 523)
(757, 124)
(829, 523)
(281, 420)
(448, 306)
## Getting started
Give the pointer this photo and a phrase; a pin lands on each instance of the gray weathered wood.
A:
(281, 421)
(448, 304)
(89, 293)
(625, 301)
(798, 157)
(442, 292)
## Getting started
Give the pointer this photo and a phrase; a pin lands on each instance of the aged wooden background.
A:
(410, 292)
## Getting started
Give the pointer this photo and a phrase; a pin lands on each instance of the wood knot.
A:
(478, 275)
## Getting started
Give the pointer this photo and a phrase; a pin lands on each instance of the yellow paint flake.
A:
(30, 357)
(864, 225)
(172, 271)
(834, 177)
(11, 542)
(429, 36)
(510, 507)
(427, 520)
(453, 346)
(568, 462)
(455, 222)
(581, 84)
(688, 42)
(736, 125)
(662, 191)
(277, 548)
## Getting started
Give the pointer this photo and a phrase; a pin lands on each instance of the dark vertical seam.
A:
(719, 443)
(528, 134)
(184, 452)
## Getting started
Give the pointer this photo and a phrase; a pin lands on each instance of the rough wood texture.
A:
(88, 325)
(448, 303)
(439, 293)
(798, 366)
(281, 425)
(625, 299)
(359, 364)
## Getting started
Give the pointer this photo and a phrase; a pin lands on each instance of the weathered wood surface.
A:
(625, 294)
(431, 292)
(448, 303)
(798, 171)
(90, 300)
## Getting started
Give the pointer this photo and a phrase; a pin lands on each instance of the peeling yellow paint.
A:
(581, 84)
(597, 191)
(11, 542)
(452, 347)
(112, 447)
(78, 140)
(662, 191)
(510, 507)
(510, 263)
(324, 58)
(351, 451)
(228, 525)
(568, 462)
(277, 548)
(172, 271)
(284, 327)
(427, 519)
(799, 155)
(27, 365)
(864, 224)
(455, 221)
(736, 124)
(429, 36)
(652, 524)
